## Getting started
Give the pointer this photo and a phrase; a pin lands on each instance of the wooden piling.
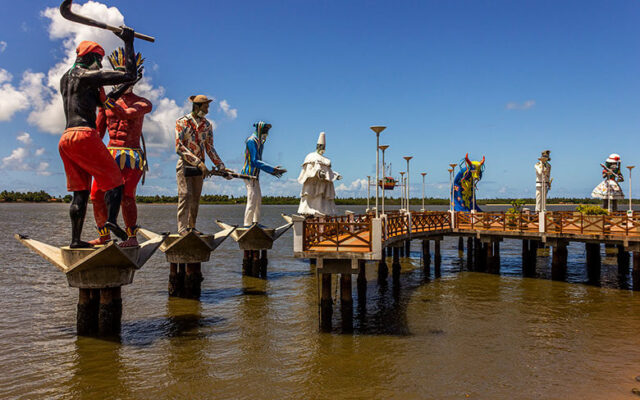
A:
(529, 257)
(110, 311)
(407, 248)
(383, 270)
(469, 253)
(437, 258)
(326, 302)
(247, 261)
(593, 262)
(362, 282)
(395, 266)
(346, 302)
(493, 257)
(635, 273)
(193, 280)
(478, 255)
(623, 260)
(460, 247)
(87, 314)
(559, 261)
(426, 258)
(264, 261)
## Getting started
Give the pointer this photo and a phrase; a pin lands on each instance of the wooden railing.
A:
(497, 221)
(616, 224)
(352, 231)
(429, 221)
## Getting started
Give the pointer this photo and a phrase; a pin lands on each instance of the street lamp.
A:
(630, 167)
(401, 190)
(384, 173)
(408, 184)
(450, 189)
(377, 130)
(368, 190)
(423, 175)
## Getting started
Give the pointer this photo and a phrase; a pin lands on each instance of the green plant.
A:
(516, 206)
(591, 210)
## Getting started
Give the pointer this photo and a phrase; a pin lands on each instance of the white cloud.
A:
(227, 110)
(25, 138)
(17, 159)
(23, 159)
(512, 105)
(3, 46)
(355, 188)
(39, 152)
(11, 99)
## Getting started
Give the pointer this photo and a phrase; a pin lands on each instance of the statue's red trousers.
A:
(129, 210)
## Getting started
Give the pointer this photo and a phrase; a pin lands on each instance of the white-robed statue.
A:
(609, 189)
(318, 194)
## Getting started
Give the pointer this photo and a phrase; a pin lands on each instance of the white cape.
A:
(607, 188)
(318, 194)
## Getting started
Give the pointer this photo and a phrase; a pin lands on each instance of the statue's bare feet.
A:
(80, 245)
(131, 242)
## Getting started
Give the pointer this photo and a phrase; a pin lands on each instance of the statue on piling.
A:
(543, 180)
(317, 177)
(194, 139)
(124, 122)
(82, 151)
(609, 189)
(464, 184)
(252, 165)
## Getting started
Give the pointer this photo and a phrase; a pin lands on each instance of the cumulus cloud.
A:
(3, 46)
(512, 105)
(24, 159)
(11, 99)
(227, 110)
(355, 188)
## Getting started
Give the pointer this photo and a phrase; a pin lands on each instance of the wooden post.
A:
(437, 258)
(312, 262)
(407, 248)
(362, 283)
(326, 302)
(383, 270)
(346, 302)
(110, 311)
(460, 247)
(635, 273)
(593, 262)
(395, 266)
(247, 260)
(469, 253)
(426, 258)
(192, 281)
(264, 261)
(181, 274)
(559, 261)
(493, 257)
(529, 256)
(623, 260)
(478, 256)
(255, 263)
(87, 316)
(175, 285)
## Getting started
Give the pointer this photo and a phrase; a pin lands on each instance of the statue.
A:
(124, 121)
(464, 184)
(609, 190)
(252, 165)
(82, 151)
(194, 139)
(318, 194)
(543, 180)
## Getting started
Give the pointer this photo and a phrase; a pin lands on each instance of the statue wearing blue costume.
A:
(464, 184)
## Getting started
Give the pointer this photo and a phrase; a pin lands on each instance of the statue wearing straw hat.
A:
(317, 177)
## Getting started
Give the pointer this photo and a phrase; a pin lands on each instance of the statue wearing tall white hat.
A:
(317, 177)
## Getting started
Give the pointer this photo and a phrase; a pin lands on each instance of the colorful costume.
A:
(317, 177)
(609, 189)
(543, 174)
(124, 122)
(194, 139)
(464, 184)
(252, 165)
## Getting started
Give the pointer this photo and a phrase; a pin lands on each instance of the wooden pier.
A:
(340, 245)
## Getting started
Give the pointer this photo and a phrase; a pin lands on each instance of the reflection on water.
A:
(464, 334)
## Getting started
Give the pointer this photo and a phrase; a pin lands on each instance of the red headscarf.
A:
(86, 47)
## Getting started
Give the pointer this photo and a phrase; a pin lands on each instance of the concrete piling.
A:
(110, 311)
(395, 266)
(87, 314)
(437, 258)
(192, 281)
(559, 261)
(623, 260)
(426, 257)
(469, 253)
(407, 248)
(383, 270)
(635, 273)
(493, 256)
(460, 247)
(593, 262)
(346, 302)
(362, 283)
(326, 302)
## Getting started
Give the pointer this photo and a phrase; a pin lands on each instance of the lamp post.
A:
(384, 173)
(408, 158)
(451, 171)
(423, 177)
(377, 130)
(368, 190)
(630, 167)
(401, 190)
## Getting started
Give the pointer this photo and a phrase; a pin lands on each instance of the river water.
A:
(464, 335)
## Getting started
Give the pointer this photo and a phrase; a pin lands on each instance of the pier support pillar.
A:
(529, 257)
(193, 280)
(623, 260)
(247, 261)
(110, 311)
(395, 266)
(426, 257)
(460, 247)
(559, 261)
(326, 302)
(478, 256)
(312, 262)
(593, 262)
(383, 270)
(346, 302)
(635, 273)
(87, 316)
(437, 258)
(469, 254)
(407, 248)
(264, 261)
(493, 257)
(176, 281)
(362, 283)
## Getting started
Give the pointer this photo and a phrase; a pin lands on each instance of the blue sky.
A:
(502, 79)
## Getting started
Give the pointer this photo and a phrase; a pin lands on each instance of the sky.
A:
(499, 79)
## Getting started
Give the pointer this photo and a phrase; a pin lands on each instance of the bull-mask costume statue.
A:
(124, 121)
(82, 151)
(464, 184)
(609, 190)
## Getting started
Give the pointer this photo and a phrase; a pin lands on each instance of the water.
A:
(464, 335)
